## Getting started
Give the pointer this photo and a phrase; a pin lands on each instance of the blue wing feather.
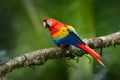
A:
(71, 39)
(73, 31)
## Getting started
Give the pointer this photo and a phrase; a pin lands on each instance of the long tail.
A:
(96, 56)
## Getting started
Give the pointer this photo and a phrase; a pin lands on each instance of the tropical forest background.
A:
(21, 31)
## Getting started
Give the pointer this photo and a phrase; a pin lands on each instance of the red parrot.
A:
(66, 35)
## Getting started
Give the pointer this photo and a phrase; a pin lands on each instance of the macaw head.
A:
(50, 23)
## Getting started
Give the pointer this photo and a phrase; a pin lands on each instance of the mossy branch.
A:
(39, 57)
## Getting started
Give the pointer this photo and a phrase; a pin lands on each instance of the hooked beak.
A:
(46, 25)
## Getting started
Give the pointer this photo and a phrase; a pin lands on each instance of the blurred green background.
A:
(21, 31)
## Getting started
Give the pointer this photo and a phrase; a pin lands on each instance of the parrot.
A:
(64, 34)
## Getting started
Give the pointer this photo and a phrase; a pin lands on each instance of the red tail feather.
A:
(96, 56)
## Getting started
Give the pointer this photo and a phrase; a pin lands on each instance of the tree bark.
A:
(39, 57)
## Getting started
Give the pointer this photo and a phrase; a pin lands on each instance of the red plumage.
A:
(91, 52)
(71, 38)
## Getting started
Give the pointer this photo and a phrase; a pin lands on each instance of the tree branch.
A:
(39, 57)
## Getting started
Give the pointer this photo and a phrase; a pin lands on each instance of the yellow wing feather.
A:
(61, 33)
(71, 29)
(64, 31)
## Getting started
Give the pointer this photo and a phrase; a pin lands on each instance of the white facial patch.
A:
(44, 24)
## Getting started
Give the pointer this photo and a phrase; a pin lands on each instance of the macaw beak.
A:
(45, 25)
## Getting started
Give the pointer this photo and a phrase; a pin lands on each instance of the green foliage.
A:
(107, 20)
(21, 31)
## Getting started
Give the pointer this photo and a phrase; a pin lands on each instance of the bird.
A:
(64, 34)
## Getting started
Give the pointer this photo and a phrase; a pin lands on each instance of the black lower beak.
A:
(47, 25)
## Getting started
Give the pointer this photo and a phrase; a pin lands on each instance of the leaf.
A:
(89, 58)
